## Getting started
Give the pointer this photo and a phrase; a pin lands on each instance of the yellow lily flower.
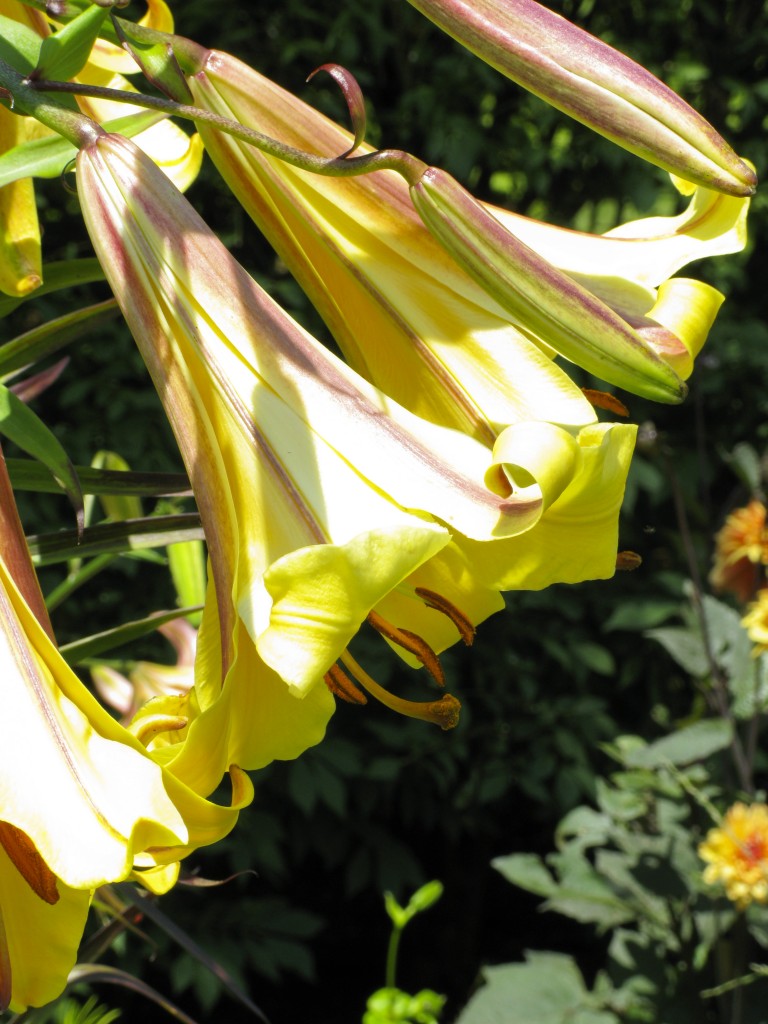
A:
(83, 803)
(434, 339)
(320, 497)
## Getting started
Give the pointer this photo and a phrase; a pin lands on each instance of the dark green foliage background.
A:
(384, 802)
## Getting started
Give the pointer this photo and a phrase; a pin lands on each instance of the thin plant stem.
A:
(392, 950)
(383, 159)
(740, 759)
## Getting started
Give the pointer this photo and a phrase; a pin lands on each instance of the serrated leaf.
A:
(547, 989)
(22, 426)
(693, 743)
(685, 646)
(526, 870)
(65, 53)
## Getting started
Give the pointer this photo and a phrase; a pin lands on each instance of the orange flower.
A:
(737, 854)
(741, 547)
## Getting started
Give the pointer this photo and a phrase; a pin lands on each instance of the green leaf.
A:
(598, 659)
(547, 989)
(685, 646)
(97, 645)
(746, 464)
(117, 506)
(638, 615)
(65, 53)
(49, 337)
(693, 743)
(156, 60)
(128, 535)
(31, 476)
(50, 157)
(187, 565)
(22, 426)
(19, 45)
(527, 871)
(57, 275)
(424, 898)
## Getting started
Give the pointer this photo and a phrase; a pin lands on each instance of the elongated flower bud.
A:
(538, 296)
(595, 84)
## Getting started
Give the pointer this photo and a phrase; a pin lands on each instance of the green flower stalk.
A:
(595, 84)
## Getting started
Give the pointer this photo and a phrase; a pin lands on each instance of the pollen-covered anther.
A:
(340, 685)
(627, 561)
(22, 852)
(605, 400)
(441, 604)
(443, 712)
(411, 642)
(146, 729)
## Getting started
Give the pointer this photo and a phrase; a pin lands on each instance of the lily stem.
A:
(384, 159)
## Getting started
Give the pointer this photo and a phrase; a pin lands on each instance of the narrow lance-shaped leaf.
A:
(25, 428)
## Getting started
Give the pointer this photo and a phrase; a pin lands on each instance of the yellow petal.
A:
(38, 940)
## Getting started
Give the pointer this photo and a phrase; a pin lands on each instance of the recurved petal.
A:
(577, 536)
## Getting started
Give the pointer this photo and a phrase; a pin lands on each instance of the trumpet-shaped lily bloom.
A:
(320, 496)
(595, 84)
(83, 803)
(434, 339)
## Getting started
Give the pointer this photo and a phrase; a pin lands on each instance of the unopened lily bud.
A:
(595, 84)
(541, 299)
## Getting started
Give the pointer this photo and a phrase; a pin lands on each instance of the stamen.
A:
(443, 712)
(23, 854)
(605, 400)
(627, 561)
(6, 981)
(411, 642)
(150, 726)
(458, 618)
(341, 685)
